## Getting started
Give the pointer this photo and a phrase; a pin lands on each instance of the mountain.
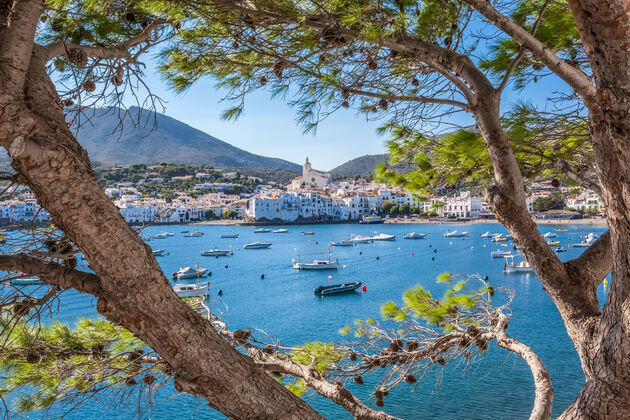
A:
(150, 138)
(363, 166)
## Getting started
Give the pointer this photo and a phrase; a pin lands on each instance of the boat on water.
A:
(185, 231)
(486, 235)
(415, 235)
(262, 230)
(560, 249)
(308, 233)
(511, 267)
(384, 237)
(334, 289)
(195, 234)
(189, 272)
(280, 231)
(229, 235)
(190, 290)
(158, 252)
(371, 220)
(215, 252)
(361, 239)
(160, 236)
(317, 265)
(26, 281)
(550, 235)
(499, 238)
(500, 253)
(553, 243)
(455, 234)
(257, 245)
(345, 242)
(588, 241)
(560, 230)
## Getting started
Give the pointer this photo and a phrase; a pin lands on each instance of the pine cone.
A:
(77, 57)
(89, 86)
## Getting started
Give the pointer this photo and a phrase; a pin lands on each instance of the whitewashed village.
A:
(311, 197)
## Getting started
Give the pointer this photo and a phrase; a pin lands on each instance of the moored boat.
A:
(498, 238)
(553, 243)
(500, 253)
(345, 242)
(229, 235)
(308, 233)
(588, 241)
(158, 252)
(455, 234)
(361, 239)
(511, 267)
(262, 230)
(560, 249)
(486, 235)
(317, 265)
(337, 288)
(280, 231)
(190, 290)
(384, 237)
(257, 245)
(195, 234)
(215, 252)
(415, 235)
(550, 235)
(26, 281)
(189, 272)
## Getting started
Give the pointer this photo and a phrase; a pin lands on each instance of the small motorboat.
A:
(334, 289)
(257, 245)
(215, 252)
(415, 235)
(500, 253)
(550, 235)
(317, 265)
(511, 268)
(189, 272)
(486, 235)
(360, 239)
(499, 238)
(371, 220)
(262, 230)
(195, 234)
(384, 237)
(553, 243)
(588, 241)
(345, 242)
(455, 234)
(560, 249)
(26, 281)
(161, 236)
(560, 230)
(185, 231)
(308, 233)
(158, 252)
(229, 235)
(280, 231)
(189, 290)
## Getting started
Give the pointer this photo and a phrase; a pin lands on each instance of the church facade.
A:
(311, 179)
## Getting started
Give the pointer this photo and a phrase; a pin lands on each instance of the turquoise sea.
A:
(283, 305)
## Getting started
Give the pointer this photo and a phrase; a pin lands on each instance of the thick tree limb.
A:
(52, 273)
(594, 264)
(564, 166)
(574, 77)
(120, 50)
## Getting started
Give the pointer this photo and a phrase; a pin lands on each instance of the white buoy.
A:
(329, 277)
(344, 266)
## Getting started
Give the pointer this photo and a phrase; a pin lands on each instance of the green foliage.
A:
(553, 202)
(322, 355)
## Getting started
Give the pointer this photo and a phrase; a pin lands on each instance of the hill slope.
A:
(363, 166)
(164, 139)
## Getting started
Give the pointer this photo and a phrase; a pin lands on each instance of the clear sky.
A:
(267, 127)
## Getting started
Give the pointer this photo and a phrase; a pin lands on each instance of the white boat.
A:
(215, 252)
(550, 235)
(360, 239)
(415, 235)
(229, 235)
(499, 238)
(371, 220)
(588, 241)
(499, 253)
(280, 231)
(384, 237)
(26, 281)
(158, 252)
(189, 272)
(257, 245)
(161, 236)
(560, 249)
(345, 242)
(189, 290)
(455, 234)
(486, 235)
(317, 265)
(511, 267)
(195, 234)
(262, 230)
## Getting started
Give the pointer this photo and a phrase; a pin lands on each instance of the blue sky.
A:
(267, 127)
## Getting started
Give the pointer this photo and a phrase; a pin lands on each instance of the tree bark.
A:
(135, 292)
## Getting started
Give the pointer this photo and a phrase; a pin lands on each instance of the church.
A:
(311, 179)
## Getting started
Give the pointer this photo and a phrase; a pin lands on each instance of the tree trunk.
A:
(136, 294)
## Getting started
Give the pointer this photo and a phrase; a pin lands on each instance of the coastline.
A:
(542, 222)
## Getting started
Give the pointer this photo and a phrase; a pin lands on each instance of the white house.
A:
(310, 179)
